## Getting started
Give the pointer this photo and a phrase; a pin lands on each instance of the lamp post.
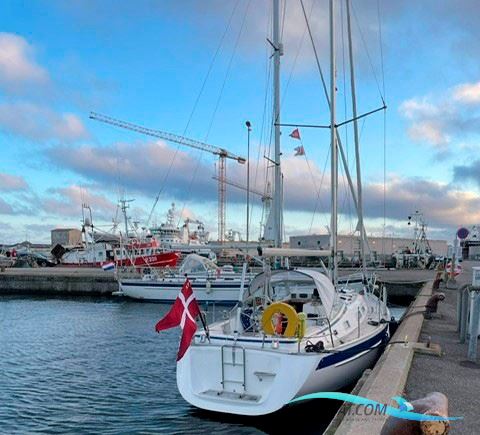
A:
(249, 129)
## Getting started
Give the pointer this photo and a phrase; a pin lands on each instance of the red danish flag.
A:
(183, 312)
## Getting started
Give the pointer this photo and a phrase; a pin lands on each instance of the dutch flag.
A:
(108, 266)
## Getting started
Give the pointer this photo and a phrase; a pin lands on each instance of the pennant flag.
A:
(295, 134)
(299, 151)
(183, 312)
(108, 266)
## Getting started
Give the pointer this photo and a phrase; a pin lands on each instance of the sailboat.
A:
(293, 332)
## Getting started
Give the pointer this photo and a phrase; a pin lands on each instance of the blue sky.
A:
(146, 61)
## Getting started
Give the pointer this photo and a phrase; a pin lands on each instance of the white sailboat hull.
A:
(167, 291)
(266, 379)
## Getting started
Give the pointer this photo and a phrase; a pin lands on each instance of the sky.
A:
(202, 69)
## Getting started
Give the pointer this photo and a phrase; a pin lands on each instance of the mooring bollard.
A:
(435, 404)
(474, 323)
(462, 311)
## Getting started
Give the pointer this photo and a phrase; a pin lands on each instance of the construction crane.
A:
(264, 195)
(222, 154)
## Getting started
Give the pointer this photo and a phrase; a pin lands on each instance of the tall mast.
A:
(124, 206)
(334, 160)
(277, 199)
(357, 143)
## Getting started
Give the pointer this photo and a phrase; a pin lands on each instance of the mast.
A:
(124, 206)
(277, 198)
(357, 143)
(333, 138)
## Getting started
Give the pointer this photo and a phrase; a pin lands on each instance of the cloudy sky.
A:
(201, 69)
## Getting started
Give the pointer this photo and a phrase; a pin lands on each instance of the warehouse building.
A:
(349, 246)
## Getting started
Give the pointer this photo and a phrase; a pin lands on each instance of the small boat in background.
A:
(210, 282)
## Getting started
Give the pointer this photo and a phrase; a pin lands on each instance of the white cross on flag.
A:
(183, 312)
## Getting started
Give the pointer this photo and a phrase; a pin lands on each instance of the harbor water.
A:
(97, 366)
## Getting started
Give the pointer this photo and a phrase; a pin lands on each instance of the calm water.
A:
(97, 366)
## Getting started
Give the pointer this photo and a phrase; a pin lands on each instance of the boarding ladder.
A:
(233, 368)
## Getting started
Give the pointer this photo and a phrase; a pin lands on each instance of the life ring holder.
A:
(287, 311)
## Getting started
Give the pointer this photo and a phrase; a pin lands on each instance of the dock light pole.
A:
(249, 129)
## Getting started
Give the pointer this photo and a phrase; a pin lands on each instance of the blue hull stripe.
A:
(343, 355)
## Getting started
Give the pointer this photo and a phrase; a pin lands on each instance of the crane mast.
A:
(182, 140)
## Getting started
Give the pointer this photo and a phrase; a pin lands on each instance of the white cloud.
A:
(12, 182)
(468, 93)
(40, 123)
(428, 131)
(140, 167)
(67, 201)
(5, 207)
(441, 119)
(17, 66)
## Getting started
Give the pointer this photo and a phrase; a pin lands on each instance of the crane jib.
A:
(167, 136)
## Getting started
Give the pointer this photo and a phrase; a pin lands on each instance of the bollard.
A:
(462, 305)
(464, 314)
(433, 404)
(474, 324)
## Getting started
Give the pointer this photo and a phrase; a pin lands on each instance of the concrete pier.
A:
(57, 281)
(414, 370)
(451, 374)
(389, 375)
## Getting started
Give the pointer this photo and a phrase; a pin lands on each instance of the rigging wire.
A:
(382, 94)
(319, 200)
(217, 104)
(268, 68)
(380, 41)
(347, 196)
(229, 67)
(217, 51)
(212, 62)
(284, 13)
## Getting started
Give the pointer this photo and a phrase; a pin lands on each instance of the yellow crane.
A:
(222, 154)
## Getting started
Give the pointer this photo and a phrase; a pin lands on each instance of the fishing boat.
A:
(210, 282)
(97, 248)
(294, 331)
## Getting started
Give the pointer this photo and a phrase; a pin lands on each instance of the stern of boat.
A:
(234, 379)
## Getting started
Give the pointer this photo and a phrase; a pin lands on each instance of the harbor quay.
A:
(57, 281)
(425, 358)
(402, 284)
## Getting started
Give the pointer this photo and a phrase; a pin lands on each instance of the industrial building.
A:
(66, 237)
(349, 245)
